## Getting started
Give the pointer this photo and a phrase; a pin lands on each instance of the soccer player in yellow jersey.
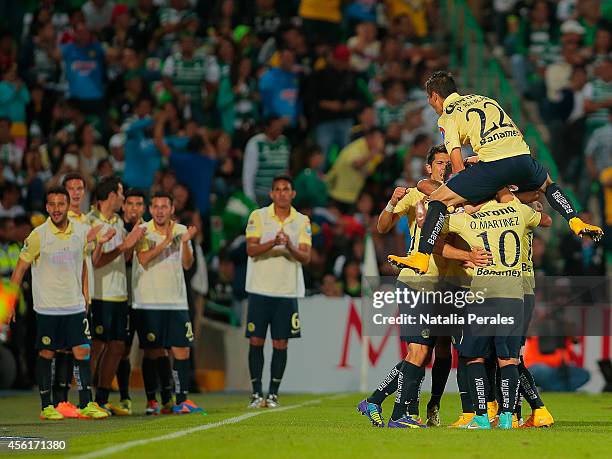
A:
(406, 377)
(133, 209)
(540, 416)
(109, 294)
(502, 159)
(64, 364)
(499, 225)
(160, 294)
(279, 239)
(55, 252)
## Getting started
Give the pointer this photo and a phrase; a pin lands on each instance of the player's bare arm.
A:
(187, 257)
(100, 258)
(85, 283)
(16, 279)
(300, 253)
(146, 256)
(255, 248)
(387, 219)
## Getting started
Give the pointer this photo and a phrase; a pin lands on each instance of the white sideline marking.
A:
(182, 433)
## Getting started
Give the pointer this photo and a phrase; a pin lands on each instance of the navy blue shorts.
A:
(56, 332)
(482, 180)
(163, 328)
(529, 306)
(504, 347)
(280, 314)
(109, 320)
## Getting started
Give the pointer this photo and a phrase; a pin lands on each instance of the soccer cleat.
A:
(126, 404)
(257, 401)
(116, 410)
(93, 411)
(580, 228)
(463, 421)
(418, 262)
(406, 422)
(505, 420)
(480, 422)
(49, 413)
(271, 401)
(167, 408)
(516, 422)
(372, 411)
(68, 410)
(187, 407)
(540, 417)
(433, 416)
(152, 408)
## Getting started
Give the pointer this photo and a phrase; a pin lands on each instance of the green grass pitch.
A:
(318, 426)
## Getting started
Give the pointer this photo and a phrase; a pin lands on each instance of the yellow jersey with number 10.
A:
(483, 124)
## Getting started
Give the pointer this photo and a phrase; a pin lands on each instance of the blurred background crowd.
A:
(210, 99)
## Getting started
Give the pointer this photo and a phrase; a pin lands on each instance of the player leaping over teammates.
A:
(406, 377)
(503, 158)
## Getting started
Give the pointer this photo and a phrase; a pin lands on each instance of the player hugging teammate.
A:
(494, 229)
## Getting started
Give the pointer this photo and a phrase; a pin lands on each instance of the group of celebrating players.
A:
(120, 274)
(116, 274)
(476, 236)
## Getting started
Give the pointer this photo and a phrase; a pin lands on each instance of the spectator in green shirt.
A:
(310, 187)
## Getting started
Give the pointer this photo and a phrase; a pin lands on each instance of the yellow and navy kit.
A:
(161, 285)
(57, 258)
(274, 274)
(110, 283)
(482, 123)
(407, 206)
(498, 228)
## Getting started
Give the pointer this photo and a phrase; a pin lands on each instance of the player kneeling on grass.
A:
(55, 251)
(278, 244)
(160, 295)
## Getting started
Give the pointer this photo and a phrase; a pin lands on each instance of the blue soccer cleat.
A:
(406, 422)
(479, 423)
(187, 407)
(372, 411)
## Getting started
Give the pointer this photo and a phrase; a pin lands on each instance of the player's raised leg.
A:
(372, 406)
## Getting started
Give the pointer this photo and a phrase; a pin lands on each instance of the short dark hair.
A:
(57, 190)
(442, 83)
(389, 83)
(73, 176)
(107, 186)
(268, 120)
(4, 221)
(373, 130)
(282, 177)
(163, 194)
(420, 138)
(433, 151)
(135, 193)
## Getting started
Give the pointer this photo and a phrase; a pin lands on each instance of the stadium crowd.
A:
(210, 99)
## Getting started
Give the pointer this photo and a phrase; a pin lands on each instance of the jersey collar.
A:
(78, 217)
(291, 217)
(449, 100)
(110, 221)
(56, 230)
